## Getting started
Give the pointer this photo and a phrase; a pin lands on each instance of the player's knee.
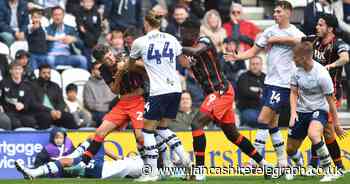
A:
(314, 136)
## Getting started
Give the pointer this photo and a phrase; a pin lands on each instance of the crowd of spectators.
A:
(62, 34)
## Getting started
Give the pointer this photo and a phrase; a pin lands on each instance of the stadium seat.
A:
(18, 45)
(24, 129)
(4, 49)
(55, 76)
(69, 19)
(77, 76)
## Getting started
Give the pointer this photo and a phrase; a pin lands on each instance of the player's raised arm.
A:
(244, 55)
(287, 40)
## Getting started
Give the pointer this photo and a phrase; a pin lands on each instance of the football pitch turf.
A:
(212, 180)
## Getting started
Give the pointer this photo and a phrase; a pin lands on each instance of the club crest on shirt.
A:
(21, 93)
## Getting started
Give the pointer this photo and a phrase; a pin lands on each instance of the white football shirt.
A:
(159, 52)
(280, 65)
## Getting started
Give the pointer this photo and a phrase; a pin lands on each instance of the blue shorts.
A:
(275, 97)
(162, 106)
(300, 128)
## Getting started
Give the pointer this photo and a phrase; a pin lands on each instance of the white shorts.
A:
(129, 166)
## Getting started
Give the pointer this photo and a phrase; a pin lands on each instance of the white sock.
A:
(151, 151)
(175, 144)
(162, 149)
(323, 154)
(79, 151)
(260, 140)
(278, 144)
(49, 168)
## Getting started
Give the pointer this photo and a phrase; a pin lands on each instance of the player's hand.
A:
(272, 40)
(293, 118)
(330, 66)
(231, 56)
(19, 106)
(341, 133)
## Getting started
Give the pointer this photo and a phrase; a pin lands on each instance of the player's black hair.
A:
(99, 51)
(189, 32)
(56, 8)
(331, 21)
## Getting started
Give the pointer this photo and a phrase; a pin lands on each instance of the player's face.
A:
(109, 58)
(321, 28)
(280, 14)
(299, 60)
(59, 139)
(45, 74)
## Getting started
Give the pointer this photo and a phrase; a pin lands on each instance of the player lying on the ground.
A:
(310, 101)
(97, 167)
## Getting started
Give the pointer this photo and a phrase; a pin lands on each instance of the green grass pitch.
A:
(211, 180)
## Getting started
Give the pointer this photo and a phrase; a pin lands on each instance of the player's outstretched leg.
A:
(102, 131)
(51, 168)
(243, 143)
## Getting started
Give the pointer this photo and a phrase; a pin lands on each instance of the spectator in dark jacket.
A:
(60, 145)
(63, 40)
(49, 95)
(18, 99)
(250, 86)
(89, 25)
(124, 13)
(13, 27)
(37, 43)
(180, 15)
(22, 57)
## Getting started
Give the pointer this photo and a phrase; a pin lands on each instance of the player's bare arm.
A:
(194, 50)
(287, 40)
(343, 59)
(293, 105)
(255, 50)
